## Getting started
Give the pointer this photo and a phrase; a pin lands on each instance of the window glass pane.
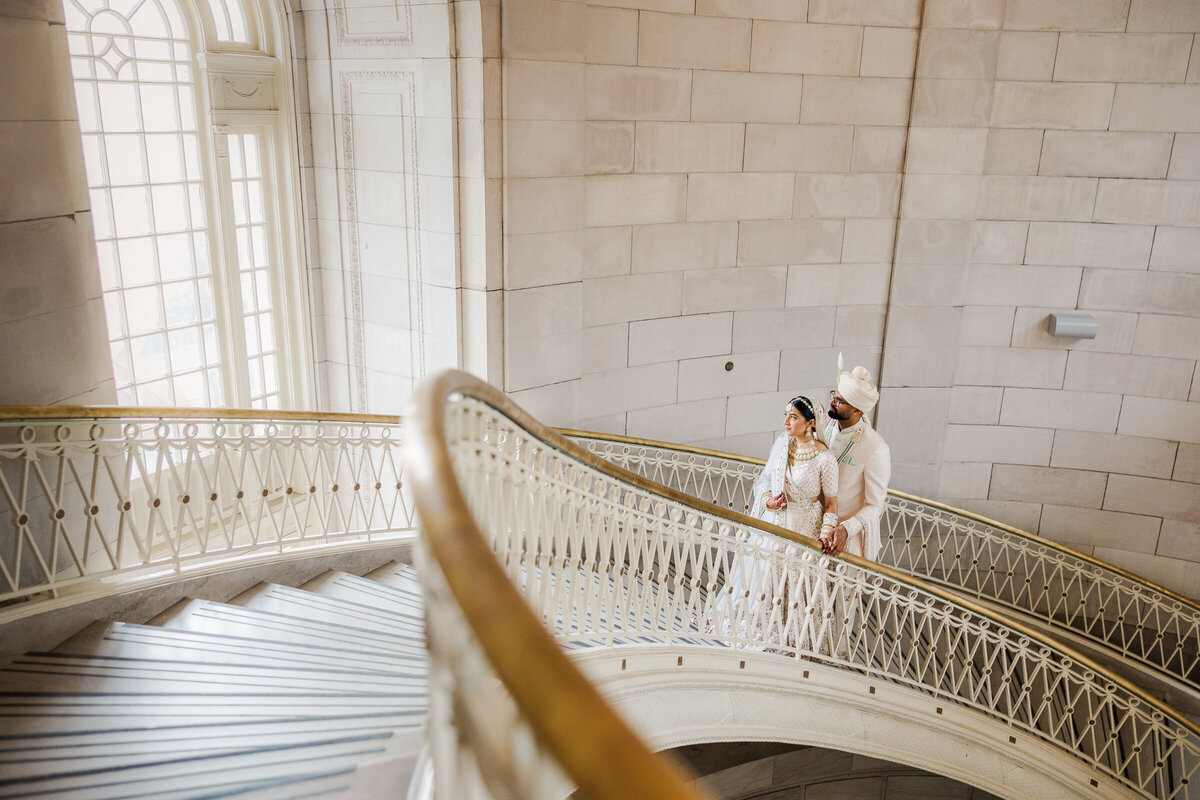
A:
(114, 312)
(118, 107)
(143, 307)
(179, 300)
(158, 108)
(262, 286)
(270, 376)
(125, 163)
(256, 201)
(89, 113)
(131, 211)
(170, 208)
(212, 348)
(252, 168)
(200, 248)
(259, 239)
(175, 256)
(190, 390)
(93, 159)
(155, 71)
(207, 310)
(101, 214)
(149, 357)
(136, 258)
(256, 377)
(107, 256)
(186, 353)
(156, 393)
(251, 323)
(122, 363)
(165, 157)
(215, 384)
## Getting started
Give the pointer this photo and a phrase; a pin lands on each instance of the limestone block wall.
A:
(53, 339)
(1052, 166)
(706, 200)
(700, 206)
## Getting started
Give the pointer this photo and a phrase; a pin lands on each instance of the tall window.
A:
(187, 225)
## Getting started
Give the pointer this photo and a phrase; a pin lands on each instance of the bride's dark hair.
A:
(804, 406)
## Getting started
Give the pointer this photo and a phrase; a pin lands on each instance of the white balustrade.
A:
(110, 501)
(1028, 574)
(606, 561)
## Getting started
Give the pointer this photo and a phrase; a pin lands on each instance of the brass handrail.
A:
(18, 413)
(1041, 541)
(435, 476)
(544, 683)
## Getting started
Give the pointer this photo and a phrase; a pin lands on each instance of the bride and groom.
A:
(828, 472)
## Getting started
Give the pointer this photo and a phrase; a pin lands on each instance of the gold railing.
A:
(487, 646)
(102, 500)
(604, 557)
(1102, 604)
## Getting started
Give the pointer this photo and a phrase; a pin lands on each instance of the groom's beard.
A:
(840, 416)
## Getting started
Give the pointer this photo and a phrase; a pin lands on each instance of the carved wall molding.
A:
(405, 85)
(397, 30)
(241, 82)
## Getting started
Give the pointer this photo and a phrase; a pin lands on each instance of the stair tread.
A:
(272, 626)
(78, 673)
(62, 761)
(386, 614)
(178, 775)
(14, 747)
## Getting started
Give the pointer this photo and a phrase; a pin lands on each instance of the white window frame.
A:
(242, 87)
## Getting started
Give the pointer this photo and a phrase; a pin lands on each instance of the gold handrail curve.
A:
(970, 515)
(543, 681)
(438, 390)
(50, 413)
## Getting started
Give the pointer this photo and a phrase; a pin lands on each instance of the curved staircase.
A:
(320, 690)
(316, 691)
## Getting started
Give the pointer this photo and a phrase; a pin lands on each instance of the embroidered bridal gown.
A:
(756, 586)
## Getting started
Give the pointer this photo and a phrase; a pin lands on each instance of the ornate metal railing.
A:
(100, 500)
(975, 556)
(605, 557)
(510, 715)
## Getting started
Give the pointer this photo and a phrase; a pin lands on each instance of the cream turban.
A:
(856, 389)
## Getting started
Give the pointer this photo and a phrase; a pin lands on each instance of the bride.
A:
(797, 490)
(798, 473)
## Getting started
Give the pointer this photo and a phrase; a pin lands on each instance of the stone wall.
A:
(707, 200)
(53, 339)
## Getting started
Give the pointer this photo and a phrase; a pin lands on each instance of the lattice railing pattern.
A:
(605, 562)
(480, 746)
(97, 499)
(1019, 571)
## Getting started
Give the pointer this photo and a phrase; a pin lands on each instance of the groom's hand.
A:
(836, 542)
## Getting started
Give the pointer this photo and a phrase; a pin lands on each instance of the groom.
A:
(864, 464)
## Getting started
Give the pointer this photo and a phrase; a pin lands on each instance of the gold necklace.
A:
(807, 454)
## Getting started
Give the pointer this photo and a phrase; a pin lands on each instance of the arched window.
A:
(182, 111)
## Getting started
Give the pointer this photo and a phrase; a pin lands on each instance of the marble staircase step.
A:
(204, 775)
(126, 640)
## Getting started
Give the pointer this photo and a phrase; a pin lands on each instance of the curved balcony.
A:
(1100, 606)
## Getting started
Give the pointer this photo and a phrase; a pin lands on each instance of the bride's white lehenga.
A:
(757, 588)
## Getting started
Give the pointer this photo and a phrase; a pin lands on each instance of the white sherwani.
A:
(864, 469)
